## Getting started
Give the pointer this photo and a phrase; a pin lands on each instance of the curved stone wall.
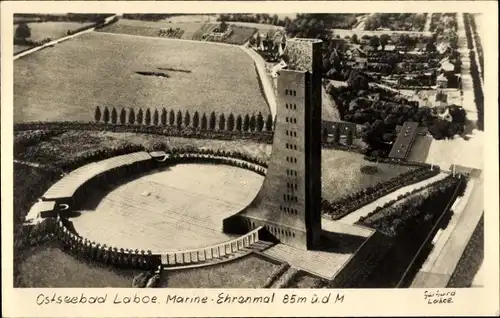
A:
(128, 258)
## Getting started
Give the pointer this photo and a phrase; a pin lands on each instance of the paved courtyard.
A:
(180, 207)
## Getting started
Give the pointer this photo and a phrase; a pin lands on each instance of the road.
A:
(441, 262)
(264, 79)
(468, 102)
(427, 26)
(54, 42)
(365, 210)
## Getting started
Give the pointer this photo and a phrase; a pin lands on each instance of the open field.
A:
(247, 272)
(52, 30)
(68, 81)
(47, 266)
(341, 173)
(175, 208)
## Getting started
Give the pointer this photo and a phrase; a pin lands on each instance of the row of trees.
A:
(474, 71)
(351, 202)
(396, 21)
(420, 207)
(479, 45)
(212, 122)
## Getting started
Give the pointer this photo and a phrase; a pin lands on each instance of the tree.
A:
(171, 117)
(123, 116)
(222, 122)
(269, 123)
(163, 117)
(114, 116)
(355, 39)
(147, 118)
(196, 120)
(212, 121)
(246, 123)
(23, 31)
(131, 116)
(374, 42)
(253, 122)
(179, 119)
(204, 122)
(187, 119)
(239, 122)
(97, 114)
(230, 122)
(260, 122)
(384, 40)
(156, 117)
(106, 115)
(140, 117)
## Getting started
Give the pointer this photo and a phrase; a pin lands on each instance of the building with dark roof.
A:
(404, 141)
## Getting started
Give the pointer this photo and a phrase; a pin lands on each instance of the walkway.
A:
(264, 79)
(51, 43)
(440, 264)
(427, 26)
(365, 210)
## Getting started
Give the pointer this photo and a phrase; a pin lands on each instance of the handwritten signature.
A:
(439, 297)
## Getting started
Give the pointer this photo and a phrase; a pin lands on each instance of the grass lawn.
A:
(52, 30)
(47, 266)
(340, 169)
(247, 272)
(19, 48)
(68, 81)
(341, 173)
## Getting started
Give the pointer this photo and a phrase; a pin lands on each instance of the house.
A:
(441, 99)
(387, 48)
(446, 66)
(338, 44)
(361, 58)
(280, 66)
(442, 81)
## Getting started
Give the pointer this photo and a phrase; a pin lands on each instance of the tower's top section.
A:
(303, 54)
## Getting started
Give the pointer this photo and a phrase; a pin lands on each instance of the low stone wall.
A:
(192, 257)
(95, 252)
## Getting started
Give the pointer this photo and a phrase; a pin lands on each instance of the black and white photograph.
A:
(270, 150)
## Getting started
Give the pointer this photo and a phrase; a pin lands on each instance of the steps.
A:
(258, 246)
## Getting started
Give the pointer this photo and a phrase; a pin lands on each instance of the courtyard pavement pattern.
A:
(180, 207)
(328, 261)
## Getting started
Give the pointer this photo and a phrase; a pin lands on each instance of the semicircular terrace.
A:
(67, 195)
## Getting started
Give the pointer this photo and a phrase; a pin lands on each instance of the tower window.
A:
(287, 119)
(294, 106)
(286, 132)
(286, 91)
(286, 106)
(295, 134)
(294, 93)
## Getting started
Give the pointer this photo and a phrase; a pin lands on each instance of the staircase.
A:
(258, 246)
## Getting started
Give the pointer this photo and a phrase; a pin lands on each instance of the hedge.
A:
(348, 204)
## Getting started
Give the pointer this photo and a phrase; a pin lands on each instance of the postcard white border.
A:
(357, 302)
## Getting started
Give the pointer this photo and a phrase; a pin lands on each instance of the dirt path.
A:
(54, 42)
